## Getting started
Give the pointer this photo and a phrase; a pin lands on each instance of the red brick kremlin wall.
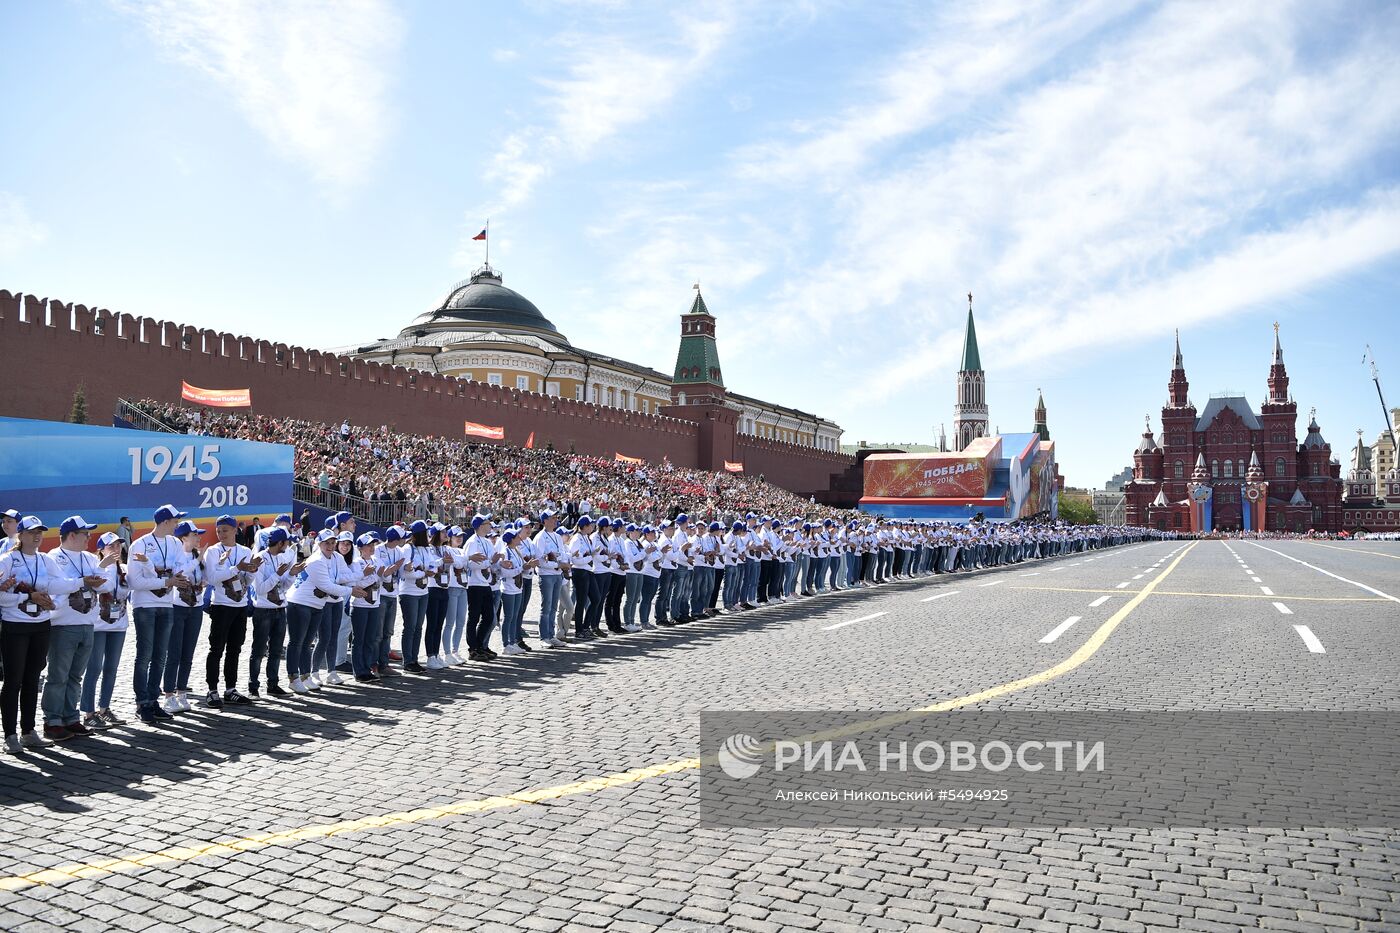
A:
(50, 348)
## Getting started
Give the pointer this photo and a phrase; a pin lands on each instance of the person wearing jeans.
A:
(511, 567)
(549, 551)
(154, 573)
(665, 583)
(186, 619)
(108, 636)
(651, 574)
(391, 555)
(413, 594)
(70, 633)
(319, 581)
(364, 610)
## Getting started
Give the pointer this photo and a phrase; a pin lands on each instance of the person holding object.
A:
(154, 573)
(108, 636)
(30, 588)
(228, 567)
(187, 618)
(481, 558)
(271, 582)
(70, 634)
(549, 551)
(317, 582)
(413, 594)
(365, 609)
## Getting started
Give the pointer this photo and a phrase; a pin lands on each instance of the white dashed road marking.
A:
(1266, 591)
(1310, 639)
(1059, 630)
(1121, 585)
(929, 599)
(1283, 609)
(873, 615)
(1100, 601)
(993, 583)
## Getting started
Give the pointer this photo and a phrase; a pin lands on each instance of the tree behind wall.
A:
(78, 414)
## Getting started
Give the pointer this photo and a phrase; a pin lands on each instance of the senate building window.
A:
(1178, 469)
(1229, 469)
(1215, 468)
(522, 383)
(493, 378)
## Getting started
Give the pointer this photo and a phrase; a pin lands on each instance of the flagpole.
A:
(488, 242)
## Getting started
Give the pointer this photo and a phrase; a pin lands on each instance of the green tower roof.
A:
(971, 359)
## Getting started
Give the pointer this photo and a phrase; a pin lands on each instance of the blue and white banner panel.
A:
(53, 470)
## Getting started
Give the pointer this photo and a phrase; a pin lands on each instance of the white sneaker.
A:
(648, 627)
(334, 679)
(312, 682)
(435, 663)
(512, 650)
(185, 701)
(299, 686)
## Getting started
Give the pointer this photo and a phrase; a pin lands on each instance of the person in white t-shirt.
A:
(108, 636)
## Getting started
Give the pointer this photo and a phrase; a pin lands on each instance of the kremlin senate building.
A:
(483, 331)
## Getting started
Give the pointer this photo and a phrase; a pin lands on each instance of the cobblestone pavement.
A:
(451, 801)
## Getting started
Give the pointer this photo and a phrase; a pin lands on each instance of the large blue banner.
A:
(53, 470)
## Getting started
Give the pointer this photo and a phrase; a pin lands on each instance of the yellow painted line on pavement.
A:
(139, 860)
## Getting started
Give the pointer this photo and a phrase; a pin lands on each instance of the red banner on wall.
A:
(732, 467)
(216, 398)
(626, 459)
(963, 475)
(486, 431)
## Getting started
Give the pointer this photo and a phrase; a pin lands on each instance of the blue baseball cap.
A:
(187, 528)
(345, 536)
(418, 526)
(648, 530)
(682, 518)
(630, 527)
(456, 532)
(108, 539)
(32, 523)
(228, 520)
(715, 526)
(736, 526)
(546, 515)
(11, 513)
(325, 534)
(168, 512)
(74, 523)
(342, 517)
(330, 522)
(508, 537)
(584, 520)
(284, 517)
(277, 536)
(395, 533)
(480, 519)
(366, 540)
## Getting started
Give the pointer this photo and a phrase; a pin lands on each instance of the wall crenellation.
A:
(116, 354)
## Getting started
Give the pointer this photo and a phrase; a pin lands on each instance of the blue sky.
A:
(837, 175)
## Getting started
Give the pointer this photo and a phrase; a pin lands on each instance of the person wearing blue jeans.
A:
(550, 551)
(101, 677)
(152, 624)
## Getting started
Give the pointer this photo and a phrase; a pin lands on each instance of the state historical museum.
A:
(1230, 468)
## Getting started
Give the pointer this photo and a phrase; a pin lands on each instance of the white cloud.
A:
(610, 83)
(311, 77)
(1160, 156)
(18, 230)
(968, 53)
